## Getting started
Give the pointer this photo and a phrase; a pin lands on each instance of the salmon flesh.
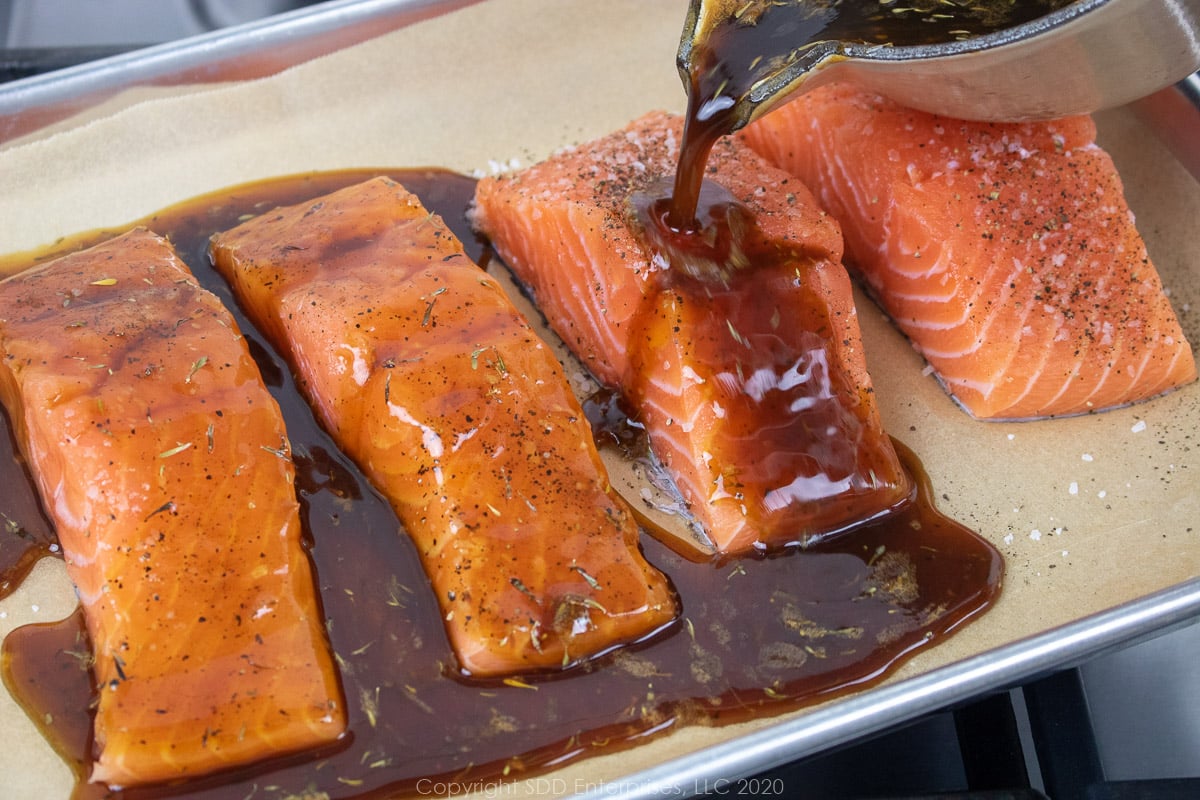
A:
(1007, 253)
(164, 464)
(429, 378)
(752, 383)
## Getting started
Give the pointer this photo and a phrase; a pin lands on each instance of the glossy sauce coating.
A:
(164, 464)
(429, 378)
(798, 435)
(751, 377)
(757, 636)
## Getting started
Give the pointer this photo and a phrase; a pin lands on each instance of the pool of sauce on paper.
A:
(759, 635)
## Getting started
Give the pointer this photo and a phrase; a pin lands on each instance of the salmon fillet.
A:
(1006, 252)
(754, 393)
(428, 377)
(164, 464)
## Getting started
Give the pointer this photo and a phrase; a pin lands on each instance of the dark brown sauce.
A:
(829, 467)
(26, 535)
(759, 635)
(711, 248)
(754, 41)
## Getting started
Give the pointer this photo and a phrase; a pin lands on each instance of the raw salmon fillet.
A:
(1005, 252)
(164, 464)
(754, 393)
(428, 377)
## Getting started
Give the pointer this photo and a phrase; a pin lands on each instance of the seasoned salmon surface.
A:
(163, 462)
(428, 377)
(1006, 252)
(753, 388)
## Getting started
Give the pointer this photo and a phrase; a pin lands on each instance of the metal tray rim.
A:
(290, 37)
(717, 766)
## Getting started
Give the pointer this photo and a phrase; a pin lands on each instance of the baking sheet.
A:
(508, 81)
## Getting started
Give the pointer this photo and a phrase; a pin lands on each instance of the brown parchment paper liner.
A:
(1090, 512)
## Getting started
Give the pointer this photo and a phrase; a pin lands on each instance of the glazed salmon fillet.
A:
(753, 388)
(164, 464)
(428, 377)
(1006, 252)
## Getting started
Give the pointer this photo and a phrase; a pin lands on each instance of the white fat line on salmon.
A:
(429, 437)
(691, 374)
(358, 365)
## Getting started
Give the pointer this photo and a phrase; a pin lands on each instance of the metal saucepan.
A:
(1084, 57)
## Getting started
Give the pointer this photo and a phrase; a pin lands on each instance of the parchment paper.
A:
(1090, 512)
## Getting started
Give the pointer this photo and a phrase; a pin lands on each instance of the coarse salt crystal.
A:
(1008, 539)
(1086, 456)
(1101, 493)
(1073, 488)
(35, 608)
(1012, 436)
(1035, 534)
(1138, 426)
